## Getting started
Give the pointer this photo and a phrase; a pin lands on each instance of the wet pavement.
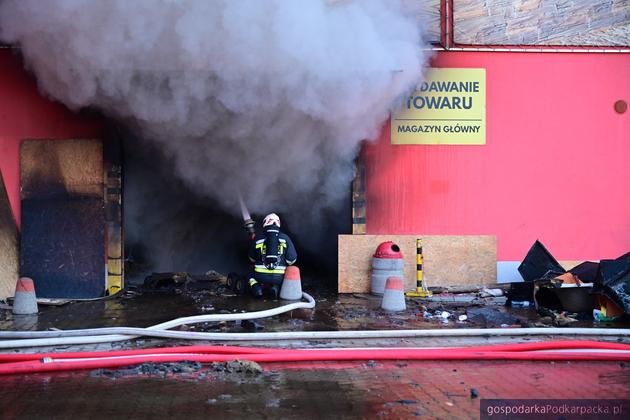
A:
(142, 308)
(332, 312)
(374, 389)
(310, 390)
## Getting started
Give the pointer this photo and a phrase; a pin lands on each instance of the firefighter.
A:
(271, 254)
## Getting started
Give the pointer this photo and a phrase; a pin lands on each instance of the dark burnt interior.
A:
(170, 228)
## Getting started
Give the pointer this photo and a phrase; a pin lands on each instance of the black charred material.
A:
(150, 369)
(521, 291)
(545, 295)
(539, 264)
(613, 281)
(166, 282)
(251, 325)
(170, 282)
(62, 246)
(491, 317)
(586, 272)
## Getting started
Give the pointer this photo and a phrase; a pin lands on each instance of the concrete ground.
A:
(311, 390)
(374, 389)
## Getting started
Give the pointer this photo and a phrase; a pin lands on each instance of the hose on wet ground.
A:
(543, 351)
(536, 346)
(23, 339)
(107, 335)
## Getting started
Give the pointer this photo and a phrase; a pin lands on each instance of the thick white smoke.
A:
(271, 98)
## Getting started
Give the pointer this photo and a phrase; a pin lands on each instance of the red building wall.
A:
(555, 166)
(25, 113)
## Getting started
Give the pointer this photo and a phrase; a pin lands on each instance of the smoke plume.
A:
(271, 98)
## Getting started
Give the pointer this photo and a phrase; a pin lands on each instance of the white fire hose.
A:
(21, 339)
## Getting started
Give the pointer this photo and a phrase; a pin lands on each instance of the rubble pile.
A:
(599, 289)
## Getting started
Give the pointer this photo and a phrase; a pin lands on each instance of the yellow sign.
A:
(449, 107)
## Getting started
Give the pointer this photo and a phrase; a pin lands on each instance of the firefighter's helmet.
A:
(271, 219)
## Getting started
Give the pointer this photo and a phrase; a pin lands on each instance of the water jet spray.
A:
(248, 222)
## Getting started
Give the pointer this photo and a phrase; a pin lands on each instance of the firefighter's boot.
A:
(274, 292)
(255, 288)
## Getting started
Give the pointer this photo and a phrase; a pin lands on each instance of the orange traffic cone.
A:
(25, 301)
(394, 295)
(292, 285)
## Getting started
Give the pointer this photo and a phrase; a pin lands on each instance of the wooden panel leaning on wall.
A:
(63, 217)
(447, 260)
(9, 252)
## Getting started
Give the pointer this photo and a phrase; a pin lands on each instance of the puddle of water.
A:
(333, 312)
(442, 389)
(284, 394)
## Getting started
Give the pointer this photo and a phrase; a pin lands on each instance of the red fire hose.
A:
(116, 353)
(553, 345)
(50, 362)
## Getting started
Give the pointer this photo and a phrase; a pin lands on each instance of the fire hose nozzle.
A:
(248, 224)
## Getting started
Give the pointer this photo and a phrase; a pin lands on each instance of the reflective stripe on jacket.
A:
(286, 252)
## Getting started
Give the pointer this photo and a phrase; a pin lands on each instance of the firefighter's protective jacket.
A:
(270, 264)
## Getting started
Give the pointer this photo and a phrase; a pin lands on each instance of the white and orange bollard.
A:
(292, 285)
(394, 295)
(25, 301)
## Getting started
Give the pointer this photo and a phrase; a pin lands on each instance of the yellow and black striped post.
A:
(421, 288)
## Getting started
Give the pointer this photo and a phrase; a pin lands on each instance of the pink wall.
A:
(24, 113)
(555, 166)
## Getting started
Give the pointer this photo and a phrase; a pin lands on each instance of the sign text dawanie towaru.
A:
(449, 107)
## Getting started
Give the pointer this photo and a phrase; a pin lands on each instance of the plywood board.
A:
(9, 254)
(51, 167)
(448, 260)
(63, 246)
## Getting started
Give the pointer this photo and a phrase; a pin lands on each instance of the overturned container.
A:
(576, 298)
(387, 262)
